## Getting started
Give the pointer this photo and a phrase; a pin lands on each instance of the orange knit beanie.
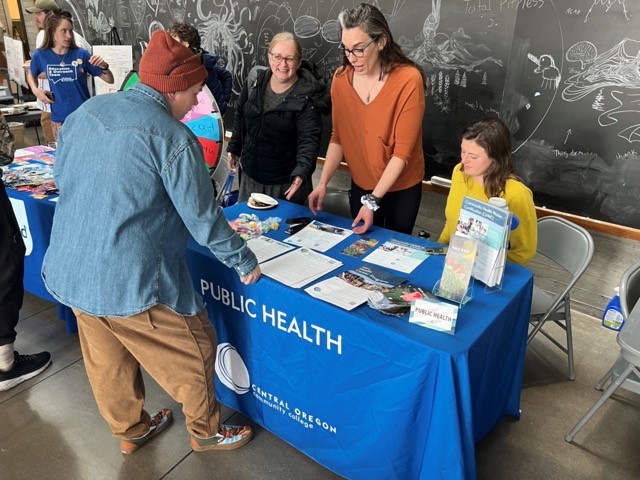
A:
(168, 66)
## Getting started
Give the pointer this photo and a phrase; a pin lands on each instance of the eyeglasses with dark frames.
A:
(277, 58)
(356, 52)
(197, 54)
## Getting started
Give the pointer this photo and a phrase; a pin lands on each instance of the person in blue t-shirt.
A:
(66, 67)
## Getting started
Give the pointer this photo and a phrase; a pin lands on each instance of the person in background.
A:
(278, 125)
(14, 368)
(118, 243)
(378, 104)
(485, 171)
(66, 66)
(219, 80)
(39, 9)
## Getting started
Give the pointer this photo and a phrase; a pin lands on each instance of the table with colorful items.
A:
(366, 394)
(33, 196)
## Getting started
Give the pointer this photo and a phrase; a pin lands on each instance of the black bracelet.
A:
(105, 68)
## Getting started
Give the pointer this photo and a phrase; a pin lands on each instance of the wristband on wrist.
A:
(370, 201)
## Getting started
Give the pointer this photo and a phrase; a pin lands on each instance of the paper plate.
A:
(269, 202)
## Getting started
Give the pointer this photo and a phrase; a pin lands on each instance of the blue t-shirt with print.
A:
(67, 75)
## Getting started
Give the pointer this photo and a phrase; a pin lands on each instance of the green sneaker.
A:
(159, 421)
(229, 437)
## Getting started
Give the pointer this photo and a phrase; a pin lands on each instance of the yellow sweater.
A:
(523, 240)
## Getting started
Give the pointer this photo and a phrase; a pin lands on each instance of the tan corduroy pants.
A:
(177, 351)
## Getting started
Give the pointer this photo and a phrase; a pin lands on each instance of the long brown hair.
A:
(493, 135)
(51, 23)
(371, 20)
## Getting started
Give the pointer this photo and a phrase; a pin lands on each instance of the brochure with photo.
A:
(360, 247)
(458, 266)
(371, 278)
(489, 225)
(397, 301)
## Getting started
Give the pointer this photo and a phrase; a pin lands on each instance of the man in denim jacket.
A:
(133, 186)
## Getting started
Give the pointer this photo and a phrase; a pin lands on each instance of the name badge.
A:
(434, 314)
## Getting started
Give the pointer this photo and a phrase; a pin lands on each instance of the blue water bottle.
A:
(612, 317)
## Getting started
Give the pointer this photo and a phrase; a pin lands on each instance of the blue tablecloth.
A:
(365, 394)
(35, 218)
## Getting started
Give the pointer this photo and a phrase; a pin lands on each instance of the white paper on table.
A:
(319, 236)
(336, 291)
(300, 267)
(266, 248)
(397, 255)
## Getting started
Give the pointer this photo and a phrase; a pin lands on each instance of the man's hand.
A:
(295, 185)
(252, 276)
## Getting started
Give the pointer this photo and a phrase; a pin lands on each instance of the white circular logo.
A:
(231, 370)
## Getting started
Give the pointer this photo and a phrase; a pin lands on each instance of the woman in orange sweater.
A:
(378, 105)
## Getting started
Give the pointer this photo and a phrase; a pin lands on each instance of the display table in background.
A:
(365, 394)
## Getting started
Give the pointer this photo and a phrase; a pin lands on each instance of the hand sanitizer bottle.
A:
(612, 317)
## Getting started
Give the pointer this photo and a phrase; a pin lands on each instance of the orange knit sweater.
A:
(370, 134)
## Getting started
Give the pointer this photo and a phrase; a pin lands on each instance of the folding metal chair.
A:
(571, 247)
(624, 372)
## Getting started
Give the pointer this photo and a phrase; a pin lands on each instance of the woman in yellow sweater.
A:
(378, 104)
(486, 170)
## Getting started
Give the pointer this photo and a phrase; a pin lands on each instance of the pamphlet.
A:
(266, 248)
(371, 278)
(337, 292)
(299, 267)
(360, 247)
(489, 225)
(397, 301)
(352, 288)
(401, 256)
(458, 266)
(319, 236)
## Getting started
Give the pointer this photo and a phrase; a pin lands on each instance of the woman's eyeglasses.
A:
(198, 54)
(277, 58)
(356, 52)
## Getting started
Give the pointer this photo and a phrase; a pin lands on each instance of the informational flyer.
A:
(299, 267)
(120, 60)
(401, 256)
(319, 236)
(265, 248)
(337, 292)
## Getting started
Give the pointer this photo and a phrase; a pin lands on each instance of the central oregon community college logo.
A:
(231, 370)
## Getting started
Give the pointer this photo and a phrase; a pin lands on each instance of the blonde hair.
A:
(286, 37)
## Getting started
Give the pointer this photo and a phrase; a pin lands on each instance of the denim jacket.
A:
(133, 186)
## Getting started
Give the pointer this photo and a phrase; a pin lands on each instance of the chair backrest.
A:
(567, 244)
(337, 202)
(630, 289)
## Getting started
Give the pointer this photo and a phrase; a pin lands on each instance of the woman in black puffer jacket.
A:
(278, 125)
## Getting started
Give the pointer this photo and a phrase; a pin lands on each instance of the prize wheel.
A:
(203, 119)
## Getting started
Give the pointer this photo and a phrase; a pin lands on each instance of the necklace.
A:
(61, 57)
(369, 88)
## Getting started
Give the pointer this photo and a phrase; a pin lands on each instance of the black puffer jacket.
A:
(283, 143)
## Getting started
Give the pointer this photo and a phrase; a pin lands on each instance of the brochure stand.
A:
(467, 296)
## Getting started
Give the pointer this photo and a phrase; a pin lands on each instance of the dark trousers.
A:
(398, 210)
(11, 269)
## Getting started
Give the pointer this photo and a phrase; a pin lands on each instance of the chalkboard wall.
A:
(564, 75)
